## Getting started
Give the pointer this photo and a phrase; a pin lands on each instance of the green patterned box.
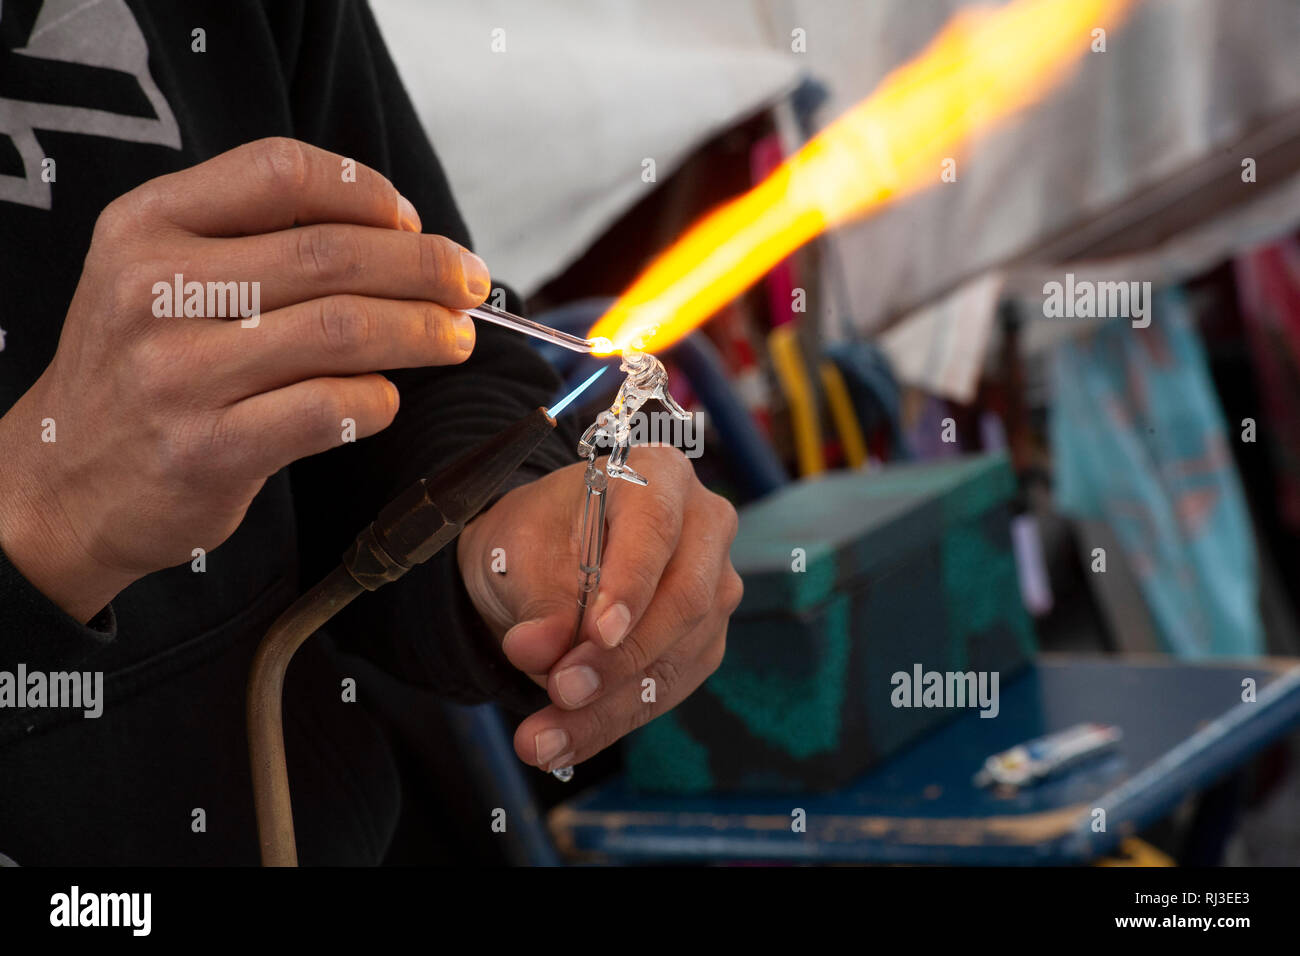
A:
(903, 565)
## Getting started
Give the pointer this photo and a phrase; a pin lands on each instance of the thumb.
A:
(543, 635)
(533, 605)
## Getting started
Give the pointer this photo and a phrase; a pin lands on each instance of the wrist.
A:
(38, 537)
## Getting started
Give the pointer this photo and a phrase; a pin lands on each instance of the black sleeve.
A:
(41, 635)
(347, 97)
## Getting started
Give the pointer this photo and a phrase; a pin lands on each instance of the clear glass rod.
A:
(537, 330)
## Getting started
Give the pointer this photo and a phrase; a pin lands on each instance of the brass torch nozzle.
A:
(413, 527)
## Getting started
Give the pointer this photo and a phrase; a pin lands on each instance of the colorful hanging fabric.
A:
(1139, 442)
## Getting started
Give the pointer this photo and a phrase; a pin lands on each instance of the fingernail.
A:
(477, 278)
(409, 218)
(612, 625)
(550, 744)
(522, 626)
(465, 334)
(576, 684)
(565, 761)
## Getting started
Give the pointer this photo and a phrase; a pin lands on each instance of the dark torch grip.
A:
(410, 529)
(421, 521)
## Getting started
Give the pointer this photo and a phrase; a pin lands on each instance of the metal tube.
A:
(265, 710)
(409, 530)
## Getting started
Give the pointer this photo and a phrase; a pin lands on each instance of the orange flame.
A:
(984, 66)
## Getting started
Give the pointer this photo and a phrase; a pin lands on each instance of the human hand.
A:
(167, 427)
(666, 593)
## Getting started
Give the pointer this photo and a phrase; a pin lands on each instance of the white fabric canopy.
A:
(544, 142)
(1179, 80)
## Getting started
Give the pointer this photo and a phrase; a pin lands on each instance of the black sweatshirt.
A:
(175, 647)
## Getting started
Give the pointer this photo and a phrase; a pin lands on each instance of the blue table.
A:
(1185, 725)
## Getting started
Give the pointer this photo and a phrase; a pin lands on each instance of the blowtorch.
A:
(412, 528)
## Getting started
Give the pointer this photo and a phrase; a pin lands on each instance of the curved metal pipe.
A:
(265, 710)
(410, 529)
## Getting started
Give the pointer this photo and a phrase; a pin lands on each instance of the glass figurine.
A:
(646, 379)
